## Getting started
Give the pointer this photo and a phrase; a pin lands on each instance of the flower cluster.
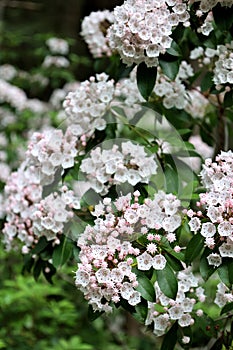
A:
(52, 213)
(57, 61)
(58, 46)
(223, 71)
(86, 106)
(173, 93)
(22, 191)
(223, 295)
(203, 56)
(7, 72)
(51, 151)
(94, 30)
(108, 252)
(217, 228)
(105, 168)
(142, 31)
(207, 5)
(198, 103)
(12, 95)
(171, 310)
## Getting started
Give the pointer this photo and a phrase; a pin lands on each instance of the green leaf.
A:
(38, 268)
(28, 263)
(175, 263)
(141, 313)
(223, 17)
(174, 50)
(228, 99)
(207, 81)
(172, 180)
(224, 274)
(145, 287)
(170, 338)
(62, 252)
(93, 315)
(206, 270)
(146, 78)
(227, 308)
(194, 248)
(170, 68)
(167, 282)
(230, 270)
(40, 246)
(49, 271)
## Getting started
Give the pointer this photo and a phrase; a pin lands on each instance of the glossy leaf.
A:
(167, 282)
(175, 263)
(170, 338)
(224, 274)
(206, 270)
(170, 68)
(227, 308)
(93, 315)
(194, 248)
(145, 287)
(228, 99)
(146, 78)
(141, 313)
(40, 246)
(62, 252)
(223, 17)
(207, 81)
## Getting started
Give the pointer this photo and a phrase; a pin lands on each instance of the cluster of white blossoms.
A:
(87, 105)
(142, 30)
(131, 164)
(203, 56)
(12, 95)
(4, 166)
(51, 151)
(58, 46)
(108, 252)
(223, 71)
(207, 27)
(197, 103)
(21, 192)
(174, 93)
(207, 5)
(223, 295)
(29, 216)
(57, 61)
(17, 99)
(7, 72)
(217, 226)
(180, 309)
(94, 30)
(52, 213)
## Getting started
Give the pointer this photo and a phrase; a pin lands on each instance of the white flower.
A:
(159, 262)
(126, 290)
(185, 320)
(214, 259)
(225, 228)
(144, 261)
(82, 278)
(194, 224)
(208, 229)
(103, 275)
(135, 298)
(175, 312)
(226, 249)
